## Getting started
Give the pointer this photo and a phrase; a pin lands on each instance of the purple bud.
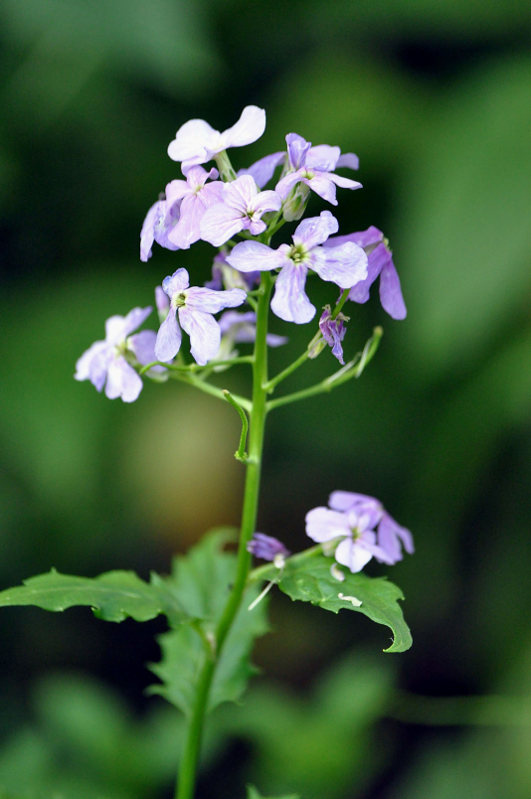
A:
(266, 547)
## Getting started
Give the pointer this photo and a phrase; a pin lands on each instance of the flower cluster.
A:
(359, 528)
(216, 204)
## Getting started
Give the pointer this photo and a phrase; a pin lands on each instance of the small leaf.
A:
(200, 583)
(113, 596)
(252, 793)
(375, 597)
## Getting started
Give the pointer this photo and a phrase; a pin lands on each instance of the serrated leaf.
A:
(113, 596)
(252, 793)
(311, 581)
(201, 583)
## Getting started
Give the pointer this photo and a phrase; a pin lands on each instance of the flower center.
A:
(298, 253)
(179, 299)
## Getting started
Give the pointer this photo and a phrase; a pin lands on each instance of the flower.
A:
(391, 535)
(313, 166)
(365, 528)
(159, 221)
(380, 264)
(333, 331)
(192, 196)
(197, 142)
(266, 547)
(344, 265)
(195, 307)
(300, 153)
(241, 208)
(105, 362)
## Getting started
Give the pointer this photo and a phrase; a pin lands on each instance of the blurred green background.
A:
(434, 98)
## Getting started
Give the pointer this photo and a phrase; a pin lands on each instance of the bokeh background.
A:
(434, 98)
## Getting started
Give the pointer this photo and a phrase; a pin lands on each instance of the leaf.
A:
(311, 581)
(113, 596)
(252, 793)
(200, 583)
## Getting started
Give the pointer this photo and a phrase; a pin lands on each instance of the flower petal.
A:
(323, 524)
(344, 500)
(219, 223)
(208, 301)
(143, 346)
(247, 129)
(174, 284)
(290, 301)
(345, 265)
(190, 142)
(122, 381)
(169, 338)
(203, 331)
(262, 170)
(349, 160)
(391, 291)
(315, 230)
(323, 157)
(92, 365)
(251, 256)
(352, 554)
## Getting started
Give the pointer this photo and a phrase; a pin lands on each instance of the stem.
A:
(307, 354)
(187, 773)
(353, 369)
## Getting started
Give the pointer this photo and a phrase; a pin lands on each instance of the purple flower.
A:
(313, 167)
(193, 196)
(195, 307)
(266, 547)
(344, 265)
(391, 536)
(241, 208)
(197, 142)
(380, 264)
(300, 153)
(105, 362)
(366, 529)
(333, 331)
(159, 221)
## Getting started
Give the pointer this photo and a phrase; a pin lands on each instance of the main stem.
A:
(188, 769)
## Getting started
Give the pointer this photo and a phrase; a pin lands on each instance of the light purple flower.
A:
(197, 142)
(266, 547)
(193, 196)
(195, 307)
(241, 208)
(158, 223)
(314, 167)
(391, 535)
(300, 153)
(366, 529)
(333, 331)
(344, 265)
(380, 264)
(105, 362)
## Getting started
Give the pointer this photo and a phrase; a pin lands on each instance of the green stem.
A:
(208, 388)
(311, 351)
(353, 369)
(187, 773)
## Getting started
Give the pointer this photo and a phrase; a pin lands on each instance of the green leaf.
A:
(200, 583)
(311, 581)
(252, 793)
(113, 596)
